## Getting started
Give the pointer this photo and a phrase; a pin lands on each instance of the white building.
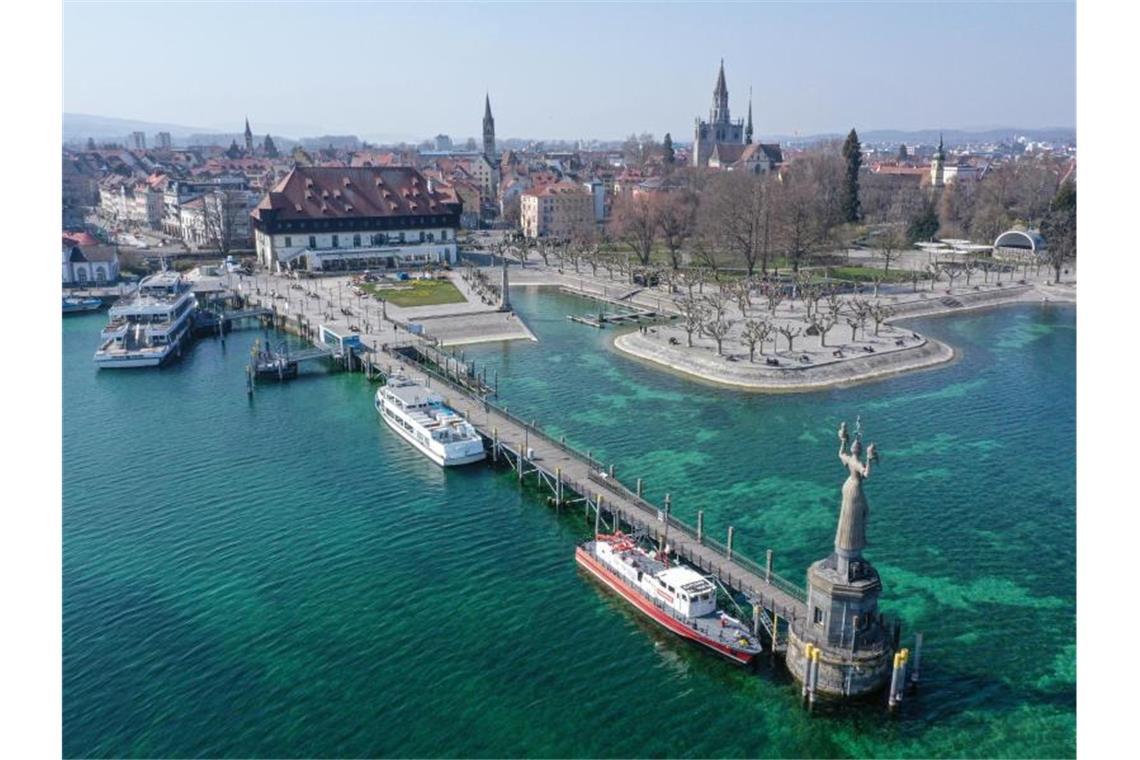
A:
(85, 262)
(355, 218)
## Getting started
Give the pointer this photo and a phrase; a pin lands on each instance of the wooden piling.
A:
(768, 568)
(700, 526)
(639, 488)
(731, 533)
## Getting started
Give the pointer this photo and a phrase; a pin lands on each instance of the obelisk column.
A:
(505, 297)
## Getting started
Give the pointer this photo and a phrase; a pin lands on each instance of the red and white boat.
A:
(678, 597)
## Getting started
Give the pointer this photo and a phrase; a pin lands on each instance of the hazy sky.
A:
(568, 70)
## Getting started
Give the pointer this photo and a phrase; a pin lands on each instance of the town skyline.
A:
(948, 50)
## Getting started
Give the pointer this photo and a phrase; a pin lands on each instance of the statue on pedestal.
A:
(851, 534)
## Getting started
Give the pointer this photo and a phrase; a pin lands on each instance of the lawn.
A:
(866, 274)
(417, 292)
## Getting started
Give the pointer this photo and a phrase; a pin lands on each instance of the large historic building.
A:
(720, 128)
(559, 209)
(354, 218)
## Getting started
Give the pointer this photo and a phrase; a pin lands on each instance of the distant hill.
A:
(930, 136)
(80, 126)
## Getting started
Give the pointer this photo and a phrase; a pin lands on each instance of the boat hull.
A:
(616, 584)
(433, 455)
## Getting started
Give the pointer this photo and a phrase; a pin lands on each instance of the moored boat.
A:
(151, 327)
(676, 597)
(423, 420)
(73, 305)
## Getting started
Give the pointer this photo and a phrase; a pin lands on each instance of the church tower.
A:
(718, 114)
(937, 165)
(748, 126)
(248, 138)
(489, 132)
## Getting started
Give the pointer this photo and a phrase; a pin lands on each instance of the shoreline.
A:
(753, 376)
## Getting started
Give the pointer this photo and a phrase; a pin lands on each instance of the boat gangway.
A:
(600, 320)
(576, 478)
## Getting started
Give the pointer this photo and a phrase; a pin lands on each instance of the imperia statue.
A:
(851, 535)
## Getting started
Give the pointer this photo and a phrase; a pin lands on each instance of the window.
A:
(356, 241)
(336, 241)
(312, 241)
(288, 242)
(443, 235)
(421, 236)
(818, 616)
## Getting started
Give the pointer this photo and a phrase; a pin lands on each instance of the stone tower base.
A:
(842, 673)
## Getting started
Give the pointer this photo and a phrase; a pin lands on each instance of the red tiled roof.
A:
(309, 192)
(79, 238)
(557, 188)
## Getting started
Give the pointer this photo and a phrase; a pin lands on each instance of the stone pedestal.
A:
(843, 621)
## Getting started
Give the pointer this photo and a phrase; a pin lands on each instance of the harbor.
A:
(316, 522)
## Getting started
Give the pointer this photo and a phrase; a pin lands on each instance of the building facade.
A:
(559, 210)
(85, 262)
(322, 219)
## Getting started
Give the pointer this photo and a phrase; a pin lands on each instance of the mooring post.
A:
(731, 532)
(807, 671)
(756, 619)
(495, 444)
(597, 517)
(700, 526)
(768, 568)
(558, 488)
(611, 471)
(775, 628)
(917, 659)
(814, 677)
(639, 488)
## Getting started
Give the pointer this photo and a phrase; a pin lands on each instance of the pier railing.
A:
(783, 584)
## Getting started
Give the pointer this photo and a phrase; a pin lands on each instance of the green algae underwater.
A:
(285, 577)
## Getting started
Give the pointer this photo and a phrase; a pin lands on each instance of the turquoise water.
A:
(287, 578)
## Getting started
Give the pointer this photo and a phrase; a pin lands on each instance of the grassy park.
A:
(417, 292)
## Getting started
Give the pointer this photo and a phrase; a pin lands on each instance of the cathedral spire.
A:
(488, 132)
(748, 127)
(719, 112)
(248, 137)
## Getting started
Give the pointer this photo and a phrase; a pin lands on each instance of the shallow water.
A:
(286, 577)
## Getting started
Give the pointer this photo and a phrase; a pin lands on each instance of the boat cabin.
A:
(686, 591)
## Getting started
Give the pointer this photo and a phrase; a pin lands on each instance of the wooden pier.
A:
(575, 478)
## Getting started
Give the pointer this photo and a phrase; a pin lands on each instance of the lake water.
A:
(285, 577)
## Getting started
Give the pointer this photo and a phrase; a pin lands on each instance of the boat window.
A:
(661, 582)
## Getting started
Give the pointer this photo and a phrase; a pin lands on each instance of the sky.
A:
(388, 71)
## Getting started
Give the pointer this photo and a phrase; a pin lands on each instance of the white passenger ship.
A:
(423, 420)
(151, 327)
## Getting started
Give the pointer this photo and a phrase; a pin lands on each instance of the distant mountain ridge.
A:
(78, 127)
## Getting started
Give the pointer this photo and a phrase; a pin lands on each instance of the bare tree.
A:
(692, 316)
(754, 334)
(880, 312)
(891, 242)
(636, 223)
(789, 333)
(221, 210)
(738, 217)
(717, 329)
(775, 296)
(677, 217)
